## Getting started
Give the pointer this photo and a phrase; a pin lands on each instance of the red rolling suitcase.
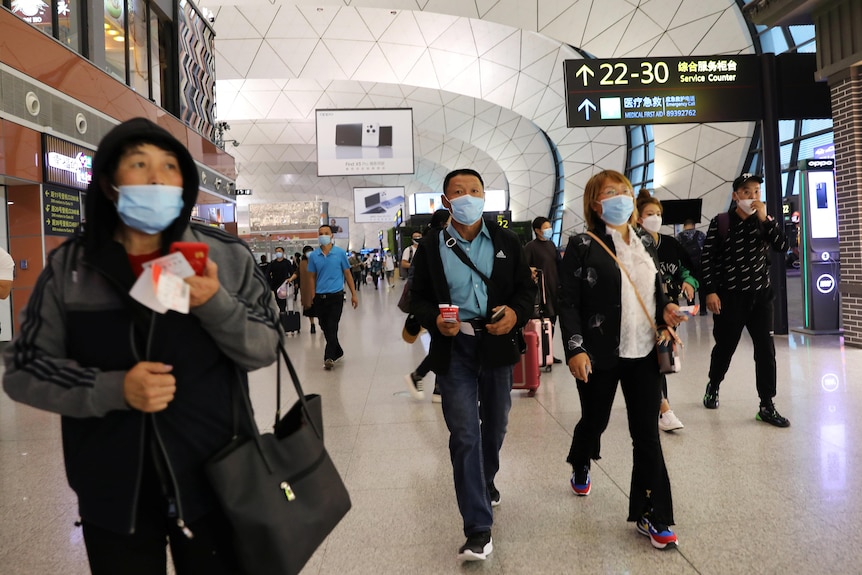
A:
(544, 330)
(526, 372)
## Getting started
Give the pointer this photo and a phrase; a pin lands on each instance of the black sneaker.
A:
(436, 397)
(477, 547)
(710, 397)
(494, 494)
(768, 414)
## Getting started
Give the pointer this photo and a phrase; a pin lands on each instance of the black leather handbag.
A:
(280, 491)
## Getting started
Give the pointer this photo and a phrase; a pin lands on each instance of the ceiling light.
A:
(112, 32)
(119, 39)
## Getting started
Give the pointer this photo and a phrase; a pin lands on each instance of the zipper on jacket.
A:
(175, 507)
(137, 496)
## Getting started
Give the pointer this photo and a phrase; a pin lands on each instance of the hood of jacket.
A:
(101, 212)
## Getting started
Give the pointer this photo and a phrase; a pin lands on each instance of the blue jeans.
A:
(476, 403)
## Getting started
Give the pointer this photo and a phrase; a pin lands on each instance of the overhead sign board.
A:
(669, 90)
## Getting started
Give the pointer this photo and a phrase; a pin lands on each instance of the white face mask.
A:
(745, 206)
(652, 223)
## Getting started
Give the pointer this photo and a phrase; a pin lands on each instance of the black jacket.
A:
(511, 285)
(590, 292)
(81, 332)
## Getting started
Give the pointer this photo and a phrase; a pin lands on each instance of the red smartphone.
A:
(194, 252)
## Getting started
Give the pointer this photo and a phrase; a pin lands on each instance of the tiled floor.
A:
(749, 498)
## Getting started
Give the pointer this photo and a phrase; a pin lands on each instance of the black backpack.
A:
(693, 248)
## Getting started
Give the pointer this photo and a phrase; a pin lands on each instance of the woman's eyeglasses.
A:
(611, 192)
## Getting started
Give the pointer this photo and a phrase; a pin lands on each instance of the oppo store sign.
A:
(81, 166)
(67, 164)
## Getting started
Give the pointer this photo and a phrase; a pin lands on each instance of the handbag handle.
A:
(629, 277)
(245, 399)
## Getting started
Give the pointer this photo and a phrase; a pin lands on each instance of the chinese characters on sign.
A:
(62, 211)
(662, 90)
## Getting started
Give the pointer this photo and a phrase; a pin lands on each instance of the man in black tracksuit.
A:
(473, 357)
(738, 291)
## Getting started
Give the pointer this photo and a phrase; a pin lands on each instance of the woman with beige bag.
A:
(610, 302)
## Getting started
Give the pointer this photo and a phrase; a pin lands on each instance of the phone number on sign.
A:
(681, 113)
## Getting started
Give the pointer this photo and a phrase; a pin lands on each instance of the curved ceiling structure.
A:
(484, 80)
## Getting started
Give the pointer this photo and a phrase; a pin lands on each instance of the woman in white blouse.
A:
(609, 340)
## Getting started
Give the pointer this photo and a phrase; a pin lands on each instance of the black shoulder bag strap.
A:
(452, 244)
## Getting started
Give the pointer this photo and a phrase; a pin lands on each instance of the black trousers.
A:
(209, 552)
(752, 311)
(282, 303)
(328, 308)
(639, 380)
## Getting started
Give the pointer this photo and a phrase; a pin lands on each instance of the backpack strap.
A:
(723, 225)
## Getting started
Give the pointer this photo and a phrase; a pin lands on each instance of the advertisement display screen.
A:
(340, 228)
(428, 202)
(822, 206)
(377, 205)
(425, 203)
(362, 142)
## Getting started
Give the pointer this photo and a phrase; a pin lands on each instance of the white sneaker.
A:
(414, 384)
(668, 421)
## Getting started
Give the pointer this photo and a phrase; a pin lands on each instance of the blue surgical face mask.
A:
(618, 209)
(324, 240)
(467, 209)
(547, 233)
(149, 208)
(279, 255)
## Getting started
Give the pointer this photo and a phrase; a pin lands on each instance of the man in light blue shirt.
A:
(473, 355)
(466, 288)
(329, 270)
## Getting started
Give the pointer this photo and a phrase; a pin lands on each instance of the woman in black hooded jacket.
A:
(145, 397)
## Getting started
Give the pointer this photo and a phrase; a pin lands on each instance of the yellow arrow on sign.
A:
(585, 70)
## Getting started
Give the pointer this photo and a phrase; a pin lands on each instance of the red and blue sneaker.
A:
(580, 482)
(659, 534)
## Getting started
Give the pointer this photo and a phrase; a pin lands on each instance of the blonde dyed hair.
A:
(592, 191)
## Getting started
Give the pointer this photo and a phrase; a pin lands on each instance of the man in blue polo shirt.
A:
(329, 270)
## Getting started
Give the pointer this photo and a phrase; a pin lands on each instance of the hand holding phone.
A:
(498, 315)
(194, 252)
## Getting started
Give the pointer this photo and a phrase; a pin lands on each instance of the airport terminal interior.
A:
(249, 86)
(748, 497)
